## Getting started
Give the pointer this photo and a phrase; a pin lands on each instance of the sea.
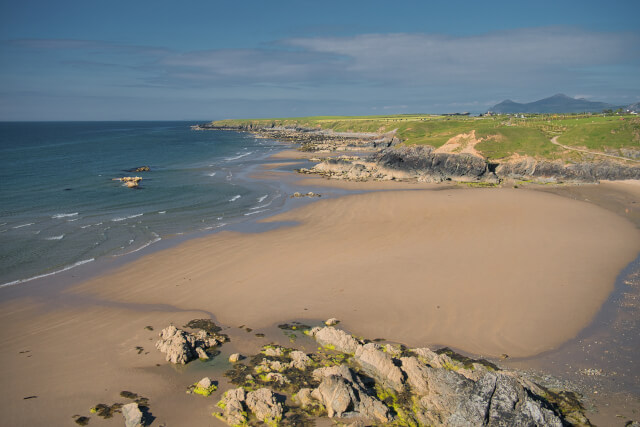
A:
(61, 205)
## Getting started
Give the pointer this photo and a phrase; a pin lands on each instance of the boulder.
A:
(176, 344)
(331, 322)
(303, 397)
(201, 353)
(336, 339)
(232, 406)
(299, 360)
(132, 415)
(204, 383)
(234, 357)
(336, 394)
(181, 346)
(264, 405)
(379, 365)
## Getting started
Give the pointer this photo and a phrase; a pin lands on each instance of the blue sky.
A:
(214, 59)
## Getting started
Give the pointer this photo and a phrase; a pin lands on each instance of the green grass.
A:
(503, 136)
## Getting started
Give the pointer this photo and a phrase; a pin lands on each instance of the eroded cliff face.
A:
(388, 160)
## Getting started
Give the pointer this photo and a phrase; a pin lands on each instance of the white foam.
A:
(71, 220)
(86, 226)
(211, 174)
(23, 225)
(239, 156)
(229, 176)
(261, 199)
(255, 212)
(69, 267)
(60, 237)
(151, 242)
(162, 212)
(234, 198)
(64, 215)
(126, 217)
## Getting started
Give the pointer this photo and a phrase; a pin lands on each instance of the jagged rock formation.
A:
(424, 164)
(361, 381)
(181, 346)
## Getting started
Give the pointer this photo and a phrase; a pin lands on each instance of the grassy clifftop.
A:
(500, 136)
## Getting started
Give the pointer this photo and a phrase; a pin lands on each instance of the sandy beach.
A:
(486, 271)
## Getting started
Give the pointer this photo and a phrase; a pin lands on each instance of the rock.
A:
(342, 371)
(331, 322)
(264, 405)
(277, 378)
(232, 406)
(299, 360)
(201, 353)
(373, 409)
(132, 415)
(176, 344)
(500, 400)
(335, 394)
(273, 351)
(204, 383)
(234, 357)
(336, 339)
(182, 347)
(379, 365)
(304, 397)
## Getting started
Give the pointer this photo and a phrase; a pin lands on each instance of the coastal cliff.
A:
(383, 157)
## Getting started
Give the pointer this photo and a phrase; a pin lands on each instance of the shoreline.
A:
(117, 313)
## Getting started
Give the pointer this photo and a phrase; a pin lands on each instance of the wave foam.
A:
(69, 267)
(234, 198)
(64, 215)
(126, 217)
(60, 237)
(255, 212)
(261, 199)
(23, 225)
(229, 159)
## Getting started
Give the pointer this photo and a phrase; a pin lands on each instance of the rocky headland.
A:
(383, 157)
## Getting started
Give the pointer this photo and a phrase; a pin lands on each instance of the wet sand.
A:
(487, 271)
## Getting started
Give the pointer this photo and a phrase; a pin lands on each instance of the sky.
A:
(216, 59)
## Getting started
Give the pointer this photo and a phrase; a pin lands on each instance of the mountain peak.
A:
(558, 103)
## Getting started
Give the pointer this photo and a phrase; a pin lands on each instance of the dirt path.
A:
(554, 140)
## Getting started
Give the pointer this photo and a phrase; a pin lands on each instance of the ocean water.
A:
(60, 207)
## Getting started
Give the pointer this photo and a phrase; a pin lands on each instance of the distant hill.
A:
(554, 104)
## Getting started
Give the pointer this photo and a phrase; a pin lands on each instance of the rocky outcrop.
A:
(420, 163)
(232, 404)
(370, 383)
(264, 405)
(423, 163)
(529, 168)
(313, 139)
(132, 415)
(335, 339)
(181, 346)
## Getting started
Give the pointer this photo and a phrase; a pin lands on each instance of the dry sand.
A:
(488, 271)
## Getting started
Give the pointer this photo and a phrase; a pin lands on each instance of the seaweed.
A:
(106, 411)
(80, 420)
(466, 362)
(206, 325)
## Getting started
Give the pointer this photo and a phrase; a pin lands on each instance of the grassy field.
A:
(502, 136)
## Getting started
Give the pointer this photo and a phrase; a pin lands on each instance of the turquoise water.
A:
(59, 206)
